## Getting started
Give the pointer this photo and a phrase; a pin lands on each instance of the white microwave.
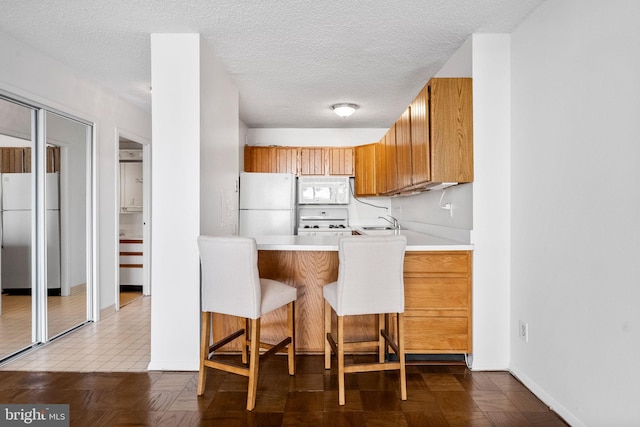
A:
(323, 190)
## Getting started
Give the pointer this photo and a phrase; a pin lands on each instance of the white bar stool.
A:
(230, 284)
(370, 281)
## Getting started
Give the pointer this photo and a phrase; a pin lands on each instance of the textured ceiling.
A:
(289, 59)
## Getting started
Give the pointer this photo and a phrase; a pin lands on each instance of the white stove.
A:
(323, 221)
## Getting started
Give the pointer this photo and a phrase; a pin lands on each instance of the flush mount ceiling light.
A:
(344, 110)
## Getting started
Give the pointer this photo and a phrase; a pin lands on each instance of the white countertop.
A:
(415, 242)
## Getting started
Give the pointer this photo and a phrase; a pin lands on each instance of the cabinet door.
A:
(392, 166)
(365, 176)
(312, 161)
(287, 160)
(451, 129)
(420, 161)
(341, 161)
(131, 185)
(403, 149)
(260, 159)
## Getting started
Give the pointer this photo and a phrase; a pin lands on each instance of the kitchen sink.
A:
(377, 228)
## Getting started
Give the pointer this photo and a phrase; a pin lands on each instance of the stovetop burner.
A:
(318, 220)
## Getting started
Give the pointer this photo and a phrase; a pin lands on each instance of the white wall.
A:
(32, 75)
(575, 208)
(195, 103)
(219, 147)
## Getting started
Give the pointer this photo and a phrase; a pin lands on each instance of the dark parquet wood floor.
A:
(438, 395)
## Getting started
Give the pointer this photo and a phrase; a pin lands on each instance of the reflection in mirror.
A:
(16, 280)
(66, 195)
(64, 162)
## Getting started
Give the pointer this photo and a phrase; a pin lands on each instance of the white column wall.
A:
(491, 201)
(175, 201)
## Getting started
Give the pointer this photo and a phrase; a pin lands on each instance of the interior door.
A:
(17, 139)
(67, 176)
(45, 225)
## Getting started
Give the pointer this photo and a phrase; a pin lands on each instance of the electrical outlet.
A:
(523, 330)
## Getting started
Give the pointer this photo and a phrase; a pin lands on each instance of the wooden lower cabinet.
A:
(437, 301)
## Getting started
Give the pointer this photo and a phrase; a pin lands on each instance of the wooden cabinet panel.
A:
(12, 160)
(260, 159)
(451, 129)
(341, 161)
(436, 335)
(365, 174)
(438, 302)
(287, 160)
(403, 149)
(381, 167)
(312, 161)
(437, 293)
(390, 154)
(420, 161)
(445, 263)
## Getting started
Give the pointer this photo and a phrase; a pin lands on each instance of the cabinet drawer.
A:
(437, 335)
(436, 293)
(441, 264)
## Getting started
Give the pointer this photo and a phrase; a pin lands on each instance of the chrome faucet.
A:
(393, 221)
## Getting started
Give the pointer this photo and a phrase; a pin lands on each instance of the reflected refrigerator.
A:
(267, 204)
(16, 232)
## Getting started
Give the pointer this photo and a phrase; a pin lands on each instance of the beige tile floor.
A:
(120, 342)
(64, 313)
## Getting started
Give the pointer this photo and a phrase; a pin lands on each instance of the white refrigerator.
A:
(267, 204)
(16, 231)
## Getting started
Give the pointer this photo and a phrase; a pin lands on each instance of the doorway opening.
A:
(133, 247)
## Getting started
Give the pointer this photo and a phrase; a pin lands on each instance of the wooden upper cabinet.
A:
(12, 160)
(390, 155)
(299, 160)
(451, 129)
(420, 162)
(271, 159)
(260, 159)
(403, 149)
(312, 161)
(365, 174)
(287, 160)
(341, 161)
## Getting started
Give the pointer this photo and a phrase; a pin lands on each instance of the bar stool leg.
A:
(403, 373)
(204, 351)
(254, 356)
(341, 396)
(291, 326)
(327, 331)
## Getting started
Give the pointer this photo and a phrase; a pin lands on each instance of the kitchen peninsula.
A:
(437, 274)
